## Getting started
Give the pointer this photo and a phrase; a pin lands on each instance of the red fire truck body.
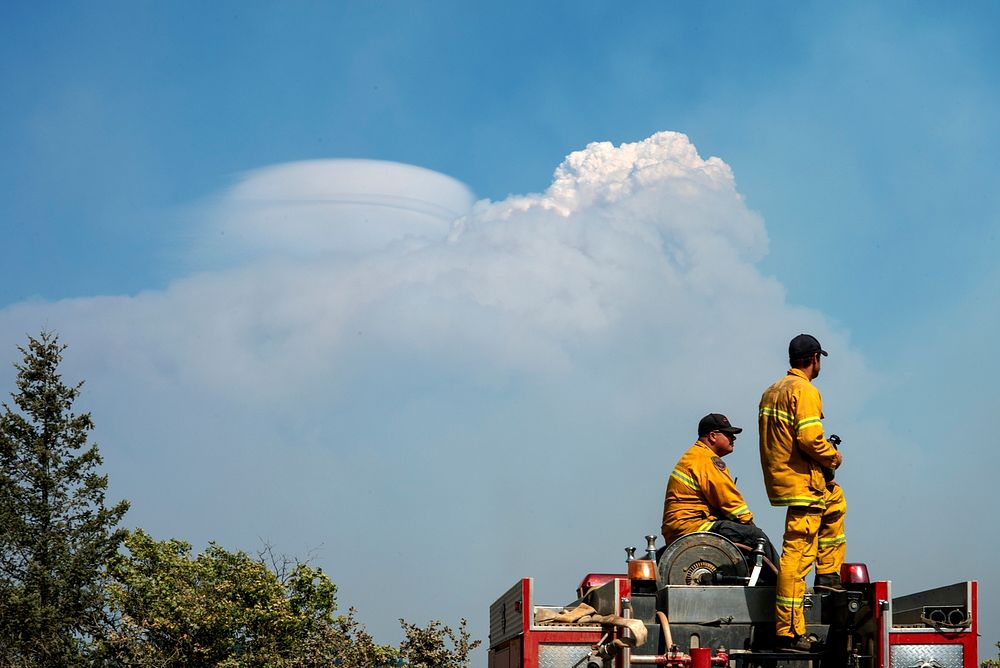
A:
(711, 615)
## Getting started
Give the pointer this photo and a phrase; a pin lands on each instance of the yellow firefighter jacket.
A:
(699, 493)
(792, 446)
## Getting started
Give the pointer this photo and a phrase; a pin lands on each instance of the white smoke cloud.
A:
(345, 206)
(386, 369)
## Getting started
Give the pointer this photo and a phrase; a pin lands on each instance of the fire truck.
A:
(706, 601)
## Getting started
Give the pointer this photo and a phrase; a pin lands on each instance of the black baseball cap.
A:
(804, 345)
(716, 422)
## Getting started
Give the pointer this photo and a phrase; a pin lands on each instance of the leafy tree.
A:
(427, 648)
(56, 533)
(70, 596)
(345, 644)
(228, 609)
(992, 663)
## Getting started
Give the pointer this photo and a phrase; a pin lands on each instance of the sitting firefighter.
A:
(702, 496)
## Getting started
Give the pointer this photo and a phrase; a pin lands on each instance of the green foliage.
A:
(223, 608)
(992, 663)
(427, 647)
(345, 644)
(71, 596)
(56, 533)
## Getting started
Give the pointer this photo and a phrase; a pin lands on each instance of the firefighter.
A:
(793, 455)
(702, 496)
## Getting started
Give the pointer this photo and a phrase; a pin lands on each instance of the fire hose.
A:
(633, 634)
(673, 658)
(956, 619)
(585, 614)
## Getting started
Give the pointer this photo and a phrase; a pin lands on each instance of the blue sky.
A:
(187, 194)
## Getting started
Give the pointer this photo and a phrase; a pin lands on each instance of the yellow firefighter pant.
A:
(811, 535)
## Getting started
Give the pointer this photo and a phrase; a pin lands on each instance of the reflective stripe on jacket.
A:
(700, 492)
(792, 446)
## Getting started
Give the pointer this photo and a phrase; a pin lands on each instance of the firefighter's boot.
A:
(828, 582)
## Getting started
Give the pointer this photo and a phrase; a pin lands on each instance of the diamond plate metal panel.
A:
(927, 656)
(561, 655)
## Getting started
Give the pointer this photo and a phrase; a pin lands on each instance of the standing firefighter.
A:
(793, 454)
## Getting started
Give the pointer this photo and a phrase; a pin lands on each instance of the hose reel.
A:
(701, 558)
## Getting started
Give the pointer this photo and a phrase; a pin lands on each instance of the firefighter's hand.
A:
(838, 459)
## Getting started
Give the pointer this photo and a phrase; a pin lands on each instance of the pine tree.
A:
(56, 533)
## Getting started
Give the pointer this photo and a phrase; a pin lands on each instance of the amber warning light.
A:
(641, 569)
